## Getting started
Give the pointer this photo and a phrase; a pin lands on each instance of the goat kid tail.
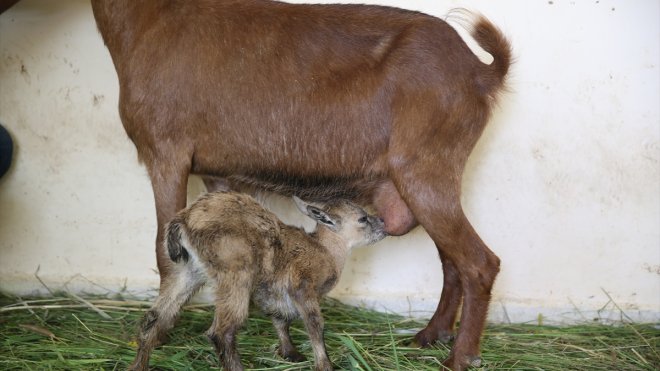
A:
(175, 231)
(492, 40)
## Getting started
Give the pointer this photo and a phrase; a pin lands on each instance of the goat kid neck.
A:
(335, 244)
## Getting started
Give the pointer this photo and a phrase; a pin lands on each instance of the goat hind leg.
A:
(434, 199)
(232, 301)
(400, 220)
(477, 268)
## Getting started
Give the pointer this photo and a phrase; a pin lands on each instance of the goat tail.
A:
(492, 40)
(175, 232)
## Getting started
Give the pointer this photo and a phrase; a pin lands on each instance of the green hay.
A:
(76, 334)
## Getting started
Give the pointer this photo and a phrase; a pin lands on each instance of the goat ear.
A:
(315, 213)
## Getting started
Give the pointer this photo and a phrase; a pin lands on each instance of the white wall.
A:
(563, 186)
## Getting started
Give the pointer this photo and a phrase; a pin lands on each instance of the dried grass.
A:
(72, 333)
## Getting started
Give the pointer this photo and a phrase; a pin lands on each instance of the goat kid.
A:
(228, 240)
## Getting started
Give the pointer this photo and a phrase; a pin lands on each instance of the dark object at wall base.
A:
(6, 150)
(6, 4)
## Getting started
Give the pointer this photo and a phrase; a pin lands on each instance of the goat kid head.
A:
(345, 219)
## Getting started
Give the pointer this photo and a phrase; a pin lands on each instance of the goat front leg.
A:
(287, 350)
(310, 311)
(169, 172)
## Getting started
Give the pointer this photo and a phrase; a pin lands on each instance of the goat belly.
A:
(312, 188)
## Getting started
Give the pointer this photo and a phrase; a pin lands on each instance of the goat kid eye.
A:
(362, 220)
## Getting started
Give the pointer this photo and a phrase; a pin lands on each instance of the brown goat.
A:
(244, 251)
(374, 104)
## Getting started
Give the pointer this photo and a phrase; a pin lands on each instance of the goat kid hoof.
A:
(323, 367)
(137, 367)
(294, 356)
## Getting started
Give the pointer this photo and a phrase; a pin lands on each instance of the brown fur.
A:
(244, 251)
(375, 104)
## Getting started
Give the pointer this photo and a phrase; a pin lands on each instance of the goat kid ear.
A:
(301, 205)
(315, 213)
(321, 217)
(304, 206)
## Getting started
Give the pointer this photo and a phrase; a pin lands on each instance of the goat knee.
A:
(482, 273)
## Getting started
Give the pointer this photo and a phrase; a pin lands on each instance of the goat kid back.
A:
(229, 241)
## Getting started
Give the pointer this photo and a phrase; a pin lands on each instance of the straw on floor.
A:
(72, 333)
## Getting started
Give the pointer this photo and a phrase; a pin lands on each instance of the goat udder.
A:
(390, 207)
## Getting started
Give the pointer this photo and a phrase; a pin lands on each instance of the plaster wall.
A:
(564, 185)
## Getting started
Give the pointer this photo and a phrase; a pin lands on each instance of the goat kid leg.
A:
(287, 350)
(310, 312)
(232, 303)
(176, 290)
(441, 326)
(223, 338)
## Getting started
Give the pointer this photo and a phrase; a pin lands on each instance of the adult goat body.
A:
(374, 104)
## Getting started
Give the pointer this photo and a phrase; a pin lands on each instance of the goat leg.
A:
(310, 312)
(287, 350)
(441, 326)
(175, 291)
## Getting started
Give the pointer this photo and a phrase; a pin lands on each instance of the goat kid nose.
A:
(380, 222)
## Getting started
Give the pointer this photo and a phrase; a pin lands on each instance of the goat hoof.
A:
(294, 356)
(445, 337)
(453, 363)
(474, 361)
(426, 338)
